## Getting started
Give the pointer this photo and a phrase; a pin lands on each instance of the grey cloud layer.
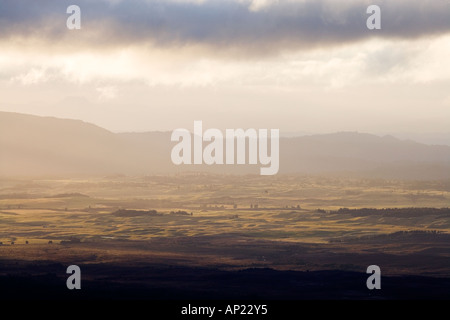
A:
(222, 24)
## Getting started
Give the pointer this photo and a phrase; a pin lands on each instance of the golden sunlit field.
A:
(229, 222)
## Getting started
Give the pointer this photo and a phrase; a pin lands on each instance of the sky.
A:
(308, 66)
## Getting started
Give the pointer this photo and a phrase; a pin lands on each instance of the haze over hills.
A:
(33, 145)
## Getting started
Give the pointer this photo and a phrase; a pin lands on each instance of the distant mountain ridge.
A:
(33, 145)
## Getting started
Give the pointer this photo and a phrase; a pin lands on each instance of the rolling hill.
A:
(33, 145)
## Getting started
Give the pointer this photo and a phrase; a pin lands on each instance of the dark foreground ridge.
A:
(43, 281)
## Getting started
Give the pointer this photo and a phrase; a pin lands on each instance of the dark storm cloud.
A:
(220, 24)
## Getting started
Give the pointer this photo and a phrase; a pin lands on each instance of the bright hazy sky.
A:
(306, 65)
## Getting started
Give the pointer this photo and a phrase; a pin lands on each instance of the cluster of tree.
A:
(205, 206)
(412, 235)
(181, 213)
(293, 207)
(135, 213)
(398, 212)
(72, 240)
(26, 242)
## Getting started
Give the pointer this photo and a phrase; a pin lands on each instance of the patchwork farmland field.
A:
(226, 223)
